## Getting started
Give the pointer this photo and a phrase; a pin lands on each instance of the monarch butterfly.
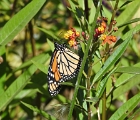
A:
(64, 65)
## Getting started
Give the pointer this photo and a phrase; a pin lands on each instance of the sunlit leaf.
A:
(18, 21)
(126, 108)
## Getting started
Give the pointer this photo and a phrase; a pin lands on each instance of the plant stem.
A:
(113, 15)
(88, 88)
(84, 61)
(31, 38)
(104, 106)
(86, 10)
(107, 50)
(90, 68)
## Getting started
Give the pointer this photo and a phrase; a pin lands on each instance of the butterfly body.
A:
(64, 65)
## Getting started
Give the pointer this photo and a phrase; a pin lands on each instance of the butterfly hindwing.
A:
(53, 74)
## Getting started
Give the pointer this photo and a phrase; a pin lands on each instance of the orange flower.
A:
(72, 35)
(109, 39)
(71, 43)
(101, 29)
(70, 32)
(103, 37)
(103, 24)
(113, 38)
(66, 36)
(77, 34)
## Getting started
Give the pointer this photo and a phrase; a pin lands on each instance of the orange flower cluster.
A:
(101, 31)
(71, 35)
(108, 39)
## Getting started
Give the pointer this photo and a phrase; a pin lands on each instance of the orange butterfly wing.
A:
(53, 76)
(64, 65)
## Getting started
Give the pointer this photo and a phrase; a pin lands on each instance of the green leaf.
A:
(83, 46)
(40, 66)
(129, 22)
(126, 108)
(125, 77)
(19, 83)
(102, 84)
(49, 34)
(71, 84)
(33, 89)
(133, 81)
(41, 112)
(131, 70)
(51, 44)
(18, 21)
(135, 114)
(127, 14)
(3, 65)
(125, 3)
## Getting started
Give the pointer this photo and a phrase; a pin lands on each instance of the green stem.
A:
(104, 106)
(113, 15)
(107, 50)
(84, 61)
(88, 88)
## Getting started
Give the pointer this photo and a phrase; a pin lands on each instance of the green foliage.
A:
(109, 73)
(18, 21)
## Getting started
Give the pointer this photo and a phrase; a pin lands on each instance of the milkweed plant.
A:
(104, 35)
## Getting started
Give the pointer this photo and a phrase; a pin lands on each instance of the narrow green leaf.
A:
(33, 89)
(25, 93)
(129, 22)
(70, 84)
(35, 109)
(126, 108)
(51, 44)
(135, 115)
(133, 81)
(125, 3)
(40, 66)
(2, 68)
(131, 70)
(73, 5)
(127, 14)
(18, 21)
(83, 46)
(49, 34)
(19, 83)
(102, 84)
(125, 77)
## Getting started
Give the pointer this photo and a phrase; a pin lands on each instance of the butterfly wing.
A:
(53, 76)
(64, 65)
(68, 64)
